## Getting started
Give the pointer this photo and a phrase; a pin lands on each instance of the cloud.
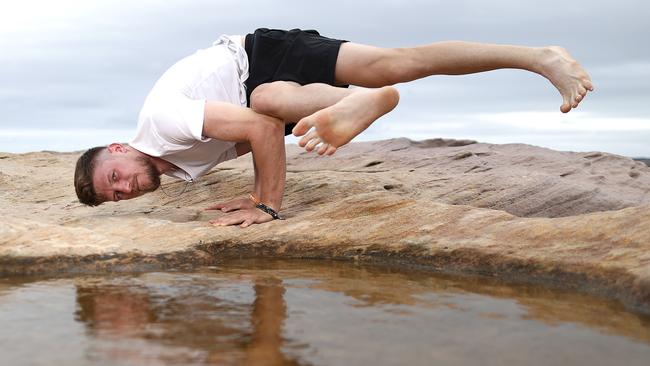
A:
(80, 64)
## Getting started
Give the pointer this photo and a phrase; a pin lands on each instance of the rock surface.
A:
(573, 220)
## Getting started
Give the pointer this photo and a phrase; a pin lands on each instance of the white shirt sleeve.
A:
(178, 121)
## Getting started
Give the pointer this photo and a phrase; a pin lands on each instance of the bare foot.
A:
(338, 124)
(566, 74)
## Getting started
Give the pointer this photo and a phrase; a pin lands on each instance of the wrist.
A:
(263, 207)
(254, 198)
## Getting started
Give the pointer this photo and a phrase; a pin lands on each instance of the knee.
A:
(265, 98)
(268, 127)
(399, 66)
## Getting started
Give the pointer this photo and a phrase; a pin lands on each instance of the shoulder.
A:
(173, 118)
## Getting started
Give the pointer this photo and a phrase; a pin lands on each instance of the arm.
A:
(265, 135)
(244, 148)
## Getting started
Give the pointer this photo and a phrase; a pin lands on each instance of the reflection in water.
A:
(121, 310)
(269, 311)
(112, 311)
(298, 312)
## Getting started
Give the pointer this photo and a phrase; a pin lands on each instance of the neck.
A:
(162, 165)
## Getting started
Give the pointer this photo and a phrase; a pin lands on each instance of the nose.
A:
(126, 186)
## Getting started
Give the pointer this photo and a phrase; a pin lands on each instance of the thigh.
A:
(367, 66)
(303, 57)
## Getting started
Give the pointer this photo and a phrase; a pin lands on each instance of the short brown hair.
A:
(83, 177)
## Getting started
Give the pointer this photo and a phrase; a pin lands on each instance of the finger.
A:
(225, 222)
(218, 206)
(246, 223)
(232, 207)
(231, 219)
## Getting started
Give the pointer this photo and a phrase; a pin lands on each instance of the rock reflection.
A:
(375, 286)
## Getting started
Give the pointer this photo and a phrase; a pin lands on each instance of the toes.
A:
(587, 84)
(582, 91)
(305, 139)
(326, 149)
(579, 96)
(322, 149)
(302, 126)
(311, 145)
(575, 101)
(566, 106)
(330, 150)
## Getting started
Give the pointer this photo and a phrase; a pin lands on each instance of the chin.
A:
(150, 188)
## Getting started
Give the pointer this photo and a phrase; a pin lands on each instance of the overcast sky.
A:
(74, 73)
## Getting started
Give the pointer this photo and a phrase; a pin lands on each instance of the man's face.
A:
(121, 174)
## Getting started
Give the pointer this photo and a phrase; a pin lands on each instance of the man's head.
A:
(112, 173)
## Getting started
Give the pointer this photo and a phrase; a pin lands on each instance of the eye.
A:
(118, 196)
(114, 176)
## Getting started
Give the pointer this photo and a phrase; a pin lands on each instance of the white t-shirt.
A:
(170, 124)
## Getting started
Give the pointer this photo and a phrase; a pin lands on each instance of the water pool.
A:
(262, 312)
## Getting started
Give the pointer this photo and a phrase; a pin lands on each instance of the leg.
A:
(378, 67)
(340, 123)
(338, 114)
(291, 101)
(374, 67)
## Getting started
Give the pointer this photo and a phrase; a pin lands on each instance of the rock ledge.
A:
(519, 212)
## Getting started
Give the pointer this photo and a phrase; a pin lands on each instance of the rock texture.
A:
(573, 220)
(646, 161)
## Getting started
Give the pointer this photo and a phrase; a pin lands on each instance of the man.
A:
(235, 97)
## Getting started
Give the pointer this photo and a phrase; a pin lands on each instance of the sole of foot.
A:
(340, 123)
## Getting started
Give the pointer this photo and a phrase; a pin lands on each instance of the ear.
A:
(116, 148)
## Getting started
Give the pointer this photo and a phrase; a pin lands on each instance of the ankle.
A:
(546, 58)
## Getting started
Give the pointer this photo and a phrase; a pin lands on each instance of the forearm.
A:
(269, 160)
(257, 185)
(244, 148)
(265, 137)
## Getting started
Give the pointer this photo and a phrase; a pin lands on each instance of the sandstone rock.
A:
(646, 161)
(575, 220)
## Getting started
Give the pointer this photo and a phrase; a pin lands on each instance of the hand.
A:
(233, 205)
(243, 217)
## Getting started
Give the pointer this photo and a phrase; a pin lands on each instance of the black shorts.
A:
(303, 57)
